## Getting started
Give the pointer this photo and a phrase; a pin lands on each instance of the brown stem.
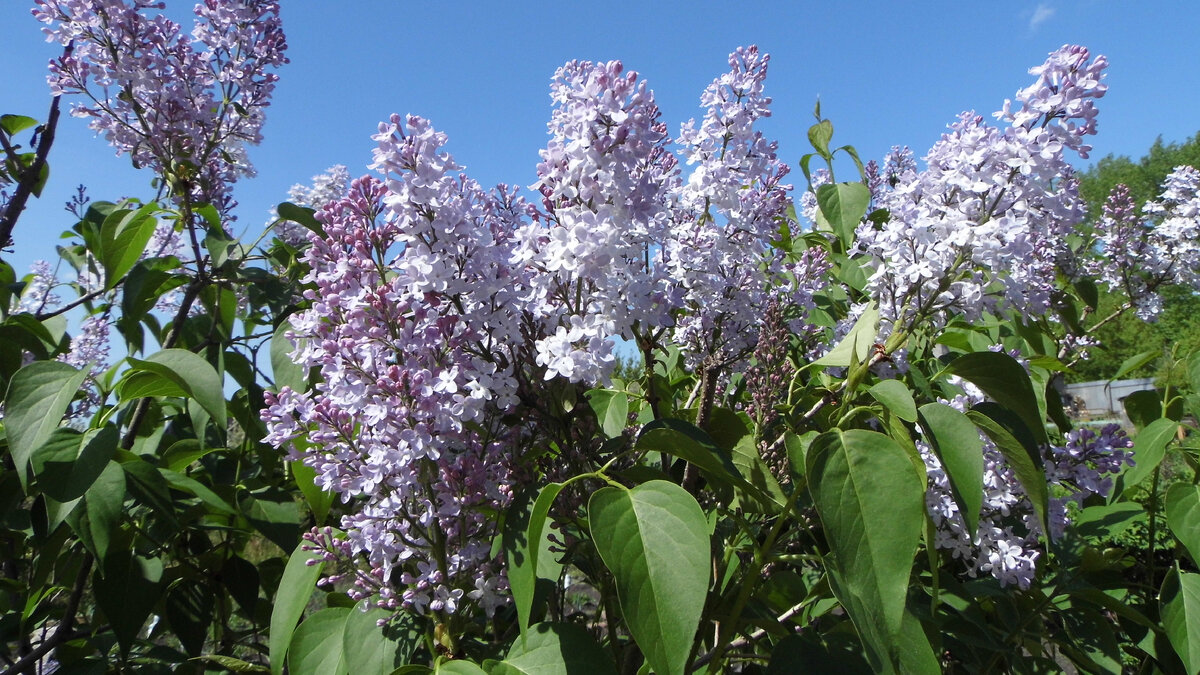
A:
(28, 178)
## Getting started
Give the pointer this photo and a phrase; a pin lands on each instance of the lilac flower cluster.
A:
(411, 317)
(326, 187)
(1143, 255)
(89, 350)
(437, 308)
(984, 226)
(38, 295)
(184, 105)
(604, 179)
(1006, 542)
(726, 215)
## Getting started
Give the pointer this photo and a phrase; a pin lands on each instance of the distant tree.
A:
(1178, 327)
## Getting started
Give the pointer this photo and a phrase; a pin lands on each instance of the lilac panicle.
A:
(725, 216)
(603, 179)
(984, 226)
(412, 316)
(185, 105)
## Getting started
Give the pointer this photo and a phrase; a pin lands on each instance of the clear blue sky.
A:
(886, 72)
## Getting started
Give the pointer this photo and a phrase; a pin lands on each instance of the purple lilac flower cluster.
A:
(726, 215)
(412, 315)
(604, 179)
(1006, 543)
(436, 307)
(184, 105)
(984, 226)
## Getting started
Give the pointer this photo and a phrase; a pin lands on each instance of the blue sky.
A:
(886, 72)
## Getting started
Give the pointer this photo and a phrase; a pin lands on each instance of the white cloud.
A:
(1040, 15)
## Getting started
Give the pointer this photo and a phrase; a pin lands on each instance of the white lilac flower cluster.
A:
(153, 89)
(984, 226)
(326, 187)
(1006, 544)
(1143, 255)
(437, 307)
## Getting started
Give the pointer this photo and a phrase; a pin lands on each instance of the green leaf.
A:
(103, 505)
(197, 489)
(1149, 448)
(654, 540)
(1016, 444)
(612, 410)
(871, 502)
(319, 501)
(231, 664)
(317, 644)
(295, 588)
(1005, 382)
(1183, 516)
(460, 667)
(192, 376)
(532, 570)
(123, 238)
(553, 648)
(182, 453)
(115, 584)
(1107, 521)
(819, 135)
(368, 648)
(302, 215)
(689, 442)
(855, 347)
(1179, 607)
(38, 396)
(189, 610)
(843, 205)
(955, 441)
(70, 461)
(895, 397)
(766, 496)
(1136, 362)
(15, 124)
(285, 371)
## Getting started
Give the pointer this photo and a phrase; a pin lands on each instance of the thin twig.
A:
(65, 630)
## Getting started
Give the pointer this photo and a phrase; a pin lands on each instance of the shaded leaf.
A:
(552, 648)
(295, 588)
(1179, 607)
(127, 611)
(955, 441)
(871, 502)
(654, 540)
(316, 647)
